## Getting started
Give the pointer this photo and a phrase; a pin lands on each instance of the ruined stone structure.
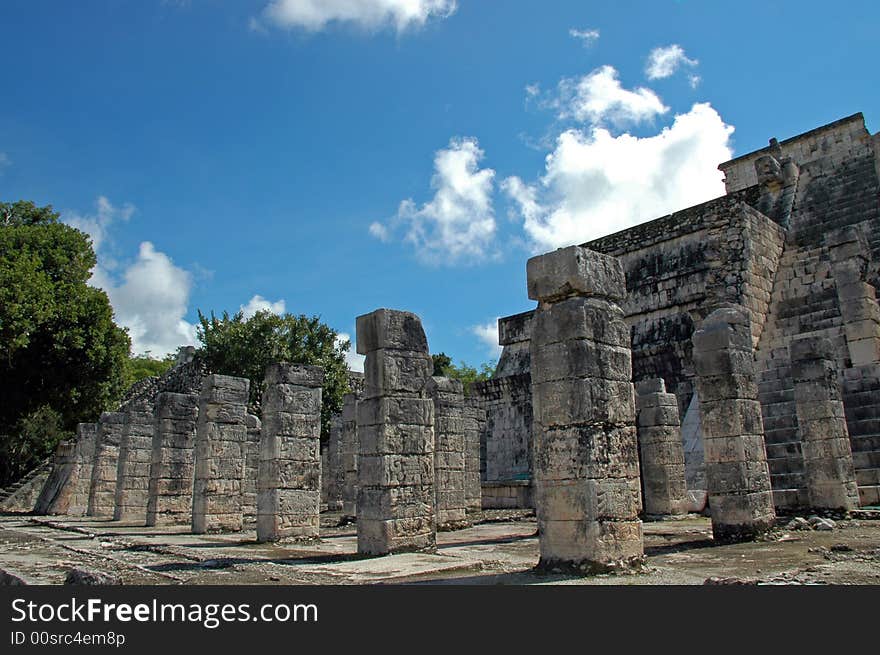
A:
(794, 245)
(506, 437)
(395, 426)
(251, 471)
(81, 478)
(334, 474)
(737, 477)
(289, 477)
(474, 418)
(54, 496)
(349, 455)
(133, 466)
(172, 461)
(219, 454)
(587, 494)
(828, 466)
(449, 453)
(102, 492)
(661, 454)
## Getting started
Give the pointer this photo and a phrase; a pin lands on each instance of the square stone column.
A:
(737, 476)
(449, 453)
(251, 471)
(828, 462)
(349, 456)
(86, 434)
(102, 492)
(172, 462)
(289, 479)
(395, 422)
(135, 453)
(474, 418)
(334, 473)
(587, 492)
(661, 452)
(857, 299)
(221, 434)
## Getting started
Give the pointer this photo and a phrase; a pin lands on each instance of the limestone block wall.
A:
(507, 402)
(135, 453)
(172, 460)
(221, 434)
(102, 492)
(289, 479)
(395, 423)
(54, 497)
(334, 474)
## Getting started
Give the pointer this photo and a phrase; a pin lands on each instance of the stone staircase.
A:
(803, 302)
(8, 496)
(861, 389)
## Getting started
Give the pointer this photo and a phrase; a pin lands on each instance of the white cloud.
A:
(150, 295)
(663, 62)
(354, 361)
(98, 224)
(259, 304)
(488, 334)
(315, 15)
(151, 301)
(595, 183)
(598, 97)
(586, 37)
(459, 222)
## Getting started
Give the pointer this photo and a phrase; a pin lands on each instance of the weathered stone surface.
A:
(102, 492)
(661, 453)
(135, 454)
(219, 455)
(81, 479)
(828, 469)
(396, 440)
(349, 455)
(172, 465)
(587, 494)
(449, 453)
(474, 418)
(55, 495)
(289, 474)
(737, 475)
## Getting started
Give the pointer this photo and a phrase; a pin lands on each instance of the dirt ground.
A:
(501, 549)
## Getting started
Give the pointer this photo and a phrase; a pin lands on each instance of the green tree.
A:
(233, 345)
(467, 374)
(143, 366)
(61, 353)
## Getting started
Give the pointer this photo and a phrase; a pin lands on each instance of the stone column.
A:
(449, 456)
(172, 462)
(102, 492)
(334, 474)
(251, 472)
(828, 463)
(55, 495)
(219, 454)
(395, 423)
(135, 453)
(349, 456)
(289, 479)
(86, 433)
(474, 417)
(661, 453)
(737, 477)
(587, 493)
(857, 299)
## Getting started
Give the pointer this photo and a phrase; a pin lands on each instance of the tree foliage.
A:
(61, 354)
(443, 366)
(143, 366)
(233, 345)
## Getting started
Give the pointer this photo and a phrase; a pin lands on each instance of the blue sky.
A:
(331, 157)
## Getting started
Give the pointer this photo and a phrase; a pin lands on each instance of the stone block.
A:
(575, 271)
